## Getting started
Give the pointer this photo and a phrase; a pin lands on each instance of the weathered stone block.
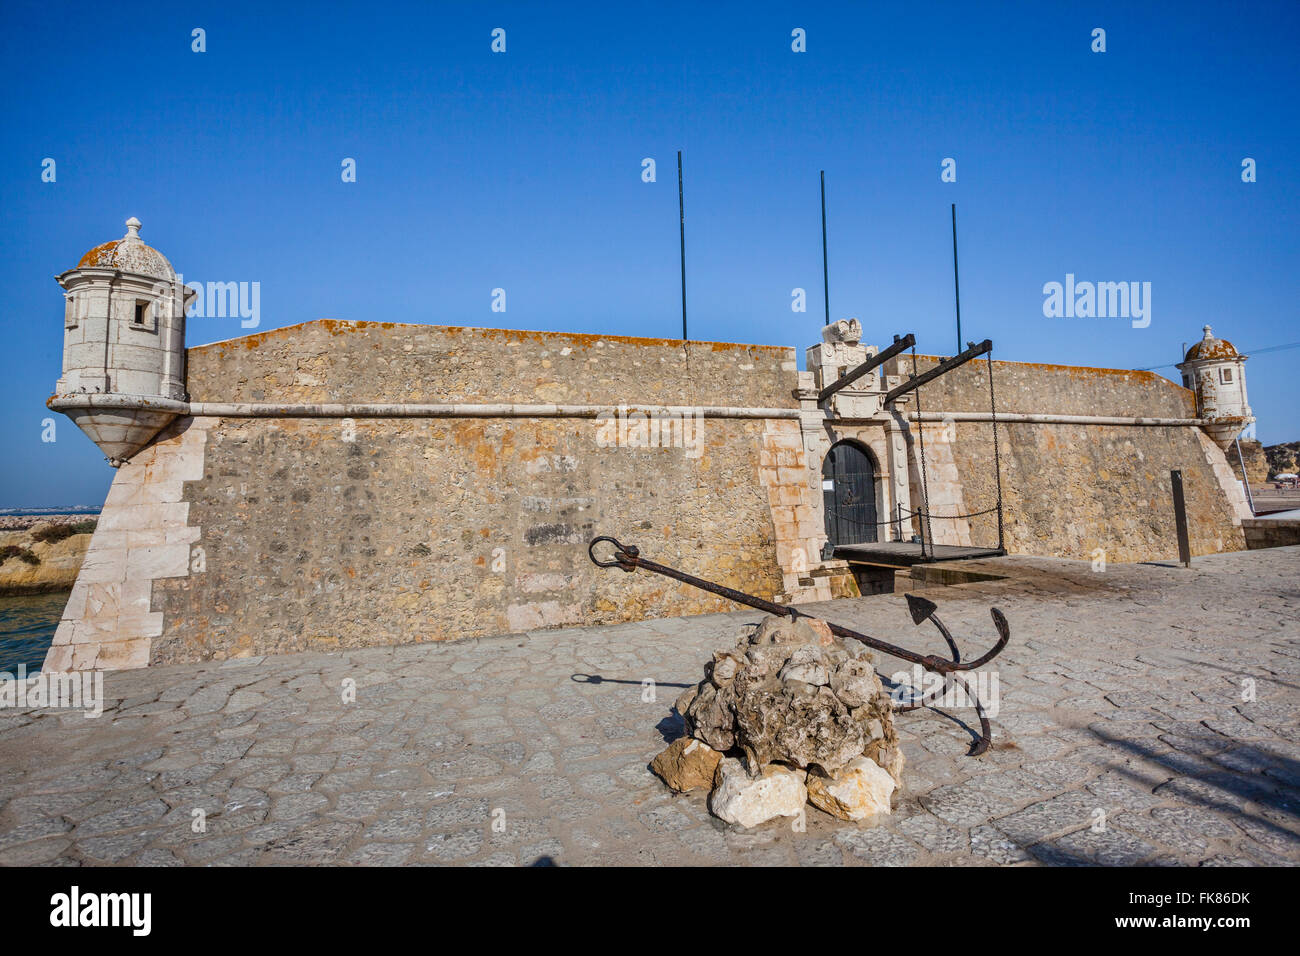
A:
(687, 764)
(748, 801)
(861, 790)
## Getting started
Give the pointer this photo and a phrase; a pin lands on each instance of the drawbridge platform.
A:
(904, 554)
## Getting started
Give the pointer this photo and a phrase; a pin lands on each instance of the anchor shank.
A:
(628, 558)
(740, 597)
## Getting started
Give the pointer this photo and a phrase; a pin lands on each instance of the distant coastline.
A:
(20, 519)
(42, 552)
(51, 510)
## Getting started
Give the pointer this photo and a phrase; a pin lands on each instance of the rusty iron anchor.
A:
(628, 558)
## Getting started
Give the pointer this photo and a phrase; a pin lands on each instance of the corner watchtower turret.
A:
(123, 375)
(1216, 372)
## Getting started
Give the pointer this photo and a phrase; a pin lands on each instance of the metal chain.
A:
(997, 458)
(925, 487)
(972, 514)
(925, 514)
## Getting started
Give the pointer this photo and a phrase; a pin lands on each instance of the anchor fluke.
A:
(919, 607)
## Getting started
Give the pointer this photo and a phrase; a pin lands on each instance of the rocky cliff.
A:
(43, 557)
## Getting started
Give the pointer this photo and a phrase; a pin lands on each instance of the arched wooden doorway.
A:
(849, 494)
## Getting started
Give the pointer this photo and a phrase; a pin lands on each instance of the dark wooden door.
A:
(849, 494)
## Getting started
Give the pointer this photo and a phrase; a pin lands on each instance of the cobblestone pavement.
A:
(1122, 737)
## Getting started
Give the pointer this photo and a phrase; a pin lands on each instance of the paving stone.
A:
(381, 854)
(546, 853)
(1047, 818)
(1062, 773)
(458, 812)
(316, 843)
(208, 849)
(35, 852)
(405, 824)
(818, 852)
(964, 804)
(1194, 820)
(1108, 847)
(990, 843)
(401, 778)
(455, 845)
(1126, 791)
(128, 817)
(35, 830)
(115, 847)
(357, 804)
(294, 783)
(933, 834)
(295, 805)
(158, 857)
(878, 846)
(1269, 836)
(664, 819)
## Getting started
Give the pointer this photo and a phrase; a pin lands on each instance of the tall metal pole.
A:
(1245, 478)
(681, 209)
(826, 282)
(956, 287)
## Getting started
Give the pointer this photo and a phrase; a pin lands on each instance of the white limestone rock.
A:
(791, 632)
(860, 790)
(855, 682)
(723, 668)
(740, 799)
(808, 664)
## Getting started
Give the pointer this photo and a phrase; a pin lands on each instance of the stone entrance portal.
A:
(849, 494)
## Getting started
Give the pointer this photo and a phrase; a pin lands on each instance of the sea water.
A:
(27, 624)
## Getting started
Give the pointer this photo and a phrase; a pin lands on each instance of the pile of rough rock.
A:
(792, 715)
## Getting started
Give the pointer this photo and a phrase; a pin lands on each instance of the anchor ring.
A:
(622, 554)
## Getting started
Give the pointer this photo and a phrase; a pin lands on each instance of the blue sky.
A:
(522, 171)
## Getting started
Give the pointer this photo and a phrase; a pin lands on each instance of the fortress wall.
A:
(1070, 489)
(1033, 388)
(310, 533)
(143, 536)
(336, 361)
(236, 536)
(421, 530)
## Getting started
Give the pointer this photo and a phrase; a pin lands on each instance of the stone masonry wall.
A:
(1031, 387)
(307, 533)
(947, 473)
(143, 536)
(240, 536)
(784, 468)
(423, 530)
(336, 361)
(1271, 533)
(1071, 489)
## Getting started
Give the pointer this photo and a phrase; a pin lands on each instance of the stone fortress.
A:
(343, 484)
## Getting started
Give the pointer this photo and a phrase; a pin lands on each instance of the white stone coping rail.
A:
(516, 410)
(404, 409)
(1048, 419)
(95, 400)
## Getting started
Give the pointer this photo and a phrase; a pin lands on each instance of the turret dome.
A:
(129, 254)
(1210, 348)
